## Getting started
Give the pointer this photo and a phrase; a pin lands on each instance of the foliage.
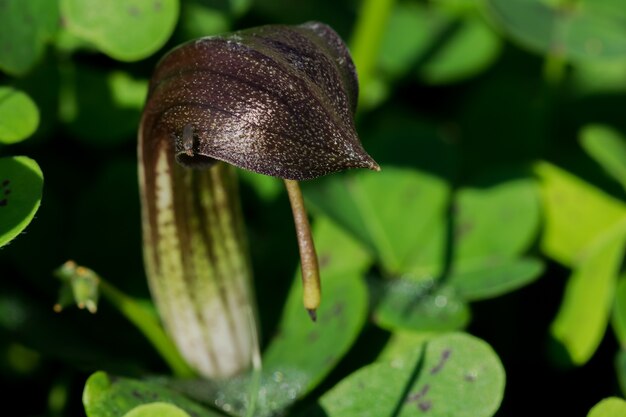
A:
(498, 220)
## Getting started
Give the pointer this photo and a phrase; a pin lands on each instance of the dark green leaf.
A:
(25, 27)
(491, 278)
(101, 108)
(444, 46)
(608, 148)
(411, 244)
(419, 306)
(620, 368)
(619, 312)
(21, 184)
(107, 396)
(579, 30)
(302, 353)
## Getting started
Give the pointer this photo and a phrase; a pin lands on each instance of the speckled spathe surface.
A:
(277, 100)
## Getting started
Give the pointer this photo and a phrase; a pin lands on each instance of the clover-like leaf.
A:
(127, 30)
(575, 213)
(106, 396)
(25, 27)
(419, 306)
(491, 278)
(160, 409)
(19, 116)
(21, 184)
(584, 314)
(581, 30)
(452, 375)
(366, 205)
(444, 47)
(609, 407)
(303, 353)
(608, 148)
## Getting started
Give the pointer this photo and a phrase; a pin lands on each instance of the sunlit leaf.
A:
(156, 409)
(25, 27)
(21, 184)
(584, 313)
(454, 375)
(575, 213)
(609, 407)
(106, 396)
(127, 30)
(19, 116)
(608, 148)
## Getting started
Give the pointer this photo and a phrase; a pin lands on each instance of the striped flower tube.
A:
(276, 100)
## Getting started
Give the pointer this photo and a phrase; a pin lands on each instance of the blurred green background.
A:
(500, 126)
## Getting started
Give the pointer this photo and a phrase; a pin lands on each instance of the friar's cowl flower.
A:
(276, 100)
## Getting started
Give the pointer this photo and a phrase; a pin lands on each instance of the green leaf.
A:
(198, 20)
(127, 30)
(303, 352)
(419, 306)
(608, 148)
(580, 30)
(366, 205)
(492, 278)
(25, 27)
(575, 213)
(454, 375)
(597, 77)
(106, 396)
(620, 368)
(496, 221)
(445, 47)
(609, 407)
(21, 184)
(157, 409)
(19, 116)
(584, 313)
(619, 312)
(101, 108)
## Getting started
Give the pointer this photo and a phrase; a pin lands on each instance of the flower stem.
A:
(311, 293)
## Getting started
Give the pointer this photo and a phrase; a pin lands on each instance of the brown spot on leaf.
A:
(425, 405)
(134, 11)
(3, 202)
(419, 394)
(445, 355)
(6, 183)
(157, 6)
